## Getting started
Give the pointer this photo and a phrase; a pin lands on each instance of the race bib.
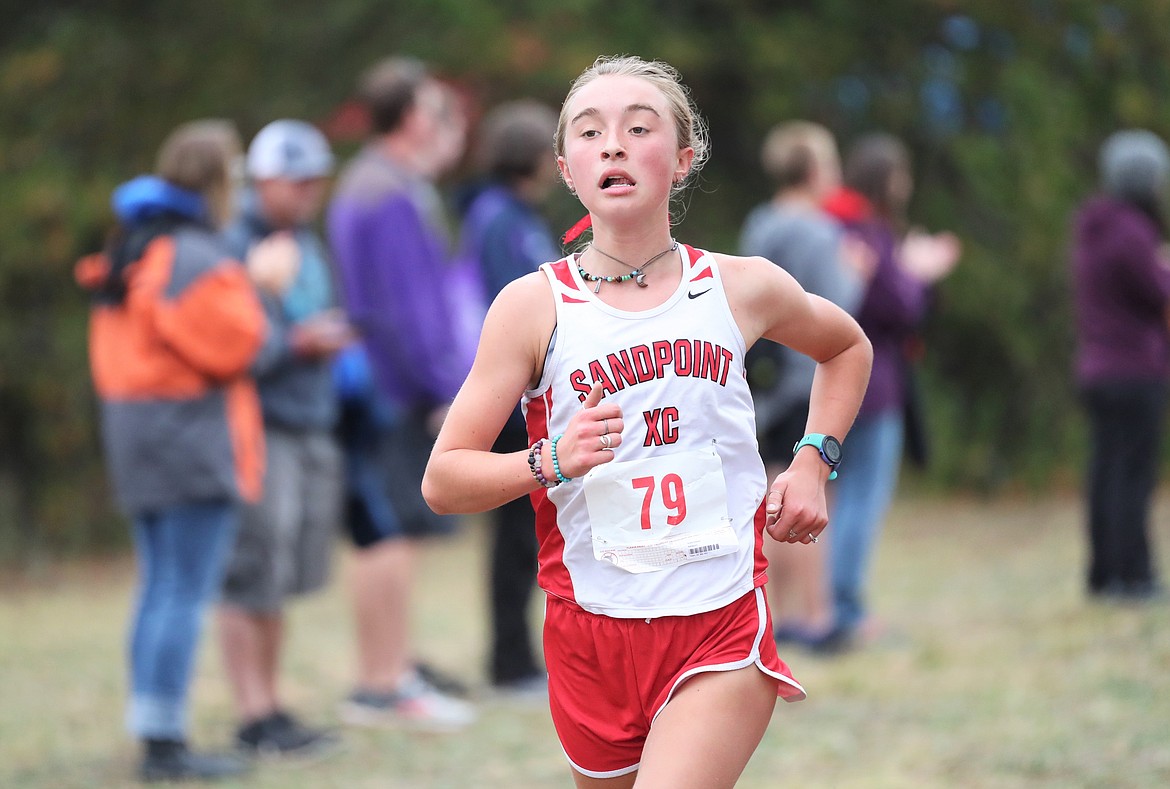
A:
(650, 514)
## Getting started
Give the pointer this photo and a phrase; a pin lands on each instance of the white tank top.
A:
(673, 526)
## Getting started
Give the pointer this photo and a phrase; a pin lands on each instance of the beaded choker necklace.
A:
(637, 273)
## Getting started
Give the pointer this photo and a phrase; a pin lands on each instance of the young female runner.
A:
(650, 496)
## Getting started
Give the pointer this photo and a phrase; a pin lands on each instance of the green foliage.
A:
(1003, 111)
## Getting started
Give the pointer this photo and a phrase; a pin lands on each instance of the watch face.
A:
(832, 449)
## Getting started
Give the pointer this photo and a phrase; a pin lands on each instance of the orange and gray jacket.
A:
(175, 326)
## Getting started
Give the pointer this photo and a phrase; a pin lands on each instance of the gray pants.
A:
(285, 542)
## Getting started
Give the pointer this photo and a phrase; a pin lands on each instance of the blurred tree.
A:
(1003, 107)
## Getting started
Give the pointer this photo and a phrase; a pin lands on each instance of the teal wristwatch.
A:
(829, 447)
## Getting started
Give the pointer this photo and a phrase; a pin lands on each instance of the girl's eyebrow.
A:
(593, 111)
(643, 107)
(587, 112)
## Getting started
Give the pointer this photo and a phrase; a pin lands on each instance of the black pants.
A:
(1125, 420)
(512, 577)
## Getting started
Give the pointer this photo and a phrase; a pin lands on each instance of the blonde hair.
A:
(199, 156)
(793, 150)
(690, 129)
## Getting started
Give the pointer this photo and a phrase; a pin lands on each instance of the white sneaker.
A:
(415, 705)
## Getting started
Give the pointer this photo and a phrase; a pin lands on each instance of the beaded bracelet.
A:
(534, 463)
(556, 464)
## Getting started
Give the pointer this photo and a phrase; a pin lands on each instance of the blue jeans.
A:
(182, 553)
(862, 495)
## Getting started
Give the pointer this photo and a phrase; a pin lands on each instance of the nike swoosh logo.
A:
(697, 295)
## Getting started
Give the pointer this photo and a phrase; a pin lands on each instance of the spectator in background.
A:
(793, 231)
(879, 184)
(1121, 279)
(504, 237)
(174, 329)
(390, 245)
(285, 541)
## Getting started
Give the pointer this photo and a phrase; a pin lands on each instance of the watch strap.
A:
(817, 440)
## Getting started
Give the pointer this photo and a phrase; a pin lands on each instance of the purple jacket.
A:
(891, 309)
(1121, 292)
(388, 240)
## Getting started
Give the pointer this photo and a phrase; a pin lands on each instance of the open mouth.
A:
(616, 180)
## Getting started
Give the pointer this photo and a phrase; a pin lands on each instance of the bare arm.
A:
(463, 474)
(768, 303)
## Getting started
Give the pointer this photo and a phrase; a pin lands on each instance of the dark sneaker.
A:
(280, 735)
(441, 680)
(168, 760)
(836, 641)
(1131, 592)
(790, 634)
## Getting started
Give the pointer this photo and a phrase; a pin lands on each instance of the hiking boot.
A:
(416, 704)
(280, 735)
(172, 760)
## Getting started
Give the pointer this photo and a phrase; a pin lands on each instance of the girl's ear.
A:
(566, 176)
(685, 157)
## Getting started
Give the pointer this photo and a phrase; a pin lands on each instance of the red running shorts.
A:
(609, 678)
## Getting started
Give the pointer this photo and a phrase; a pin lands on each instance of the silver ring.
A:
(605, 424)
(814, 538)
(605, 441)
(792, 534)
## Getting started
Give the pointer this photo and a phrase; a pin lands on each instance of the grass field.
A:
(994, 672)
